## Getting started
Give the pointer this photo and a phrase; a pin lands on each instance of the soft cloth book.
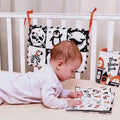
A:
(94, 99)
(108, 69)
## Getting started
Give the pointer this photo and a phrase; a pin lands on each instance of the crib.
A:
(62, 19)
(35, 111)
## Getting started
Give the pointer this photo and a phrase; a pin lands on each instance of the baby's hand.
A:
(73, 103)
(75, 95)
(79, 94)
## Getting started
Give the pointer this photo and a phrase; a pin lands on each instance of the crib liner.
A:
(43, 38)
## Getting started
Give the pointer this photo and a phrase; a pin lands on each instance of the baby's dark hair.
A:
(66, 50)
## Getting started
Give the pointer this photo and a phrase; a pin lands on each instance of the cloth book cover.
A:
(108, 69)
(95, 100)
(42, 39)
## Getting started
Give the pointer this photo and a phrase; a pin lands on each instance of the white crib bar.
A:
(35, 21)
(63, 23)
(93, 51)
(49, 22)
(9, 39)
(22, 44)
(0, 60)
(78, 25)
(110, 35)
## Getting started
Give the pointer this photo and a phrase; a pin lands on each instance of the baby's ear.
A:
(60, 64)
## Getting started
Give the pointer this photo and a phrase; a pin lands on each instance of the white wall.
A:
(25, 5)
(5, 5)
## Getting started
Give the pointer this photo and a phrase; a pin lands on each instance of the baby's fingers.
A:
(73, 103)
(79, 94)
(77, 102)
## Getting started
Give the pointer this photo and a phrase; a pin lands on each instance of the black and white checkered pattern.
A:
(45, 38)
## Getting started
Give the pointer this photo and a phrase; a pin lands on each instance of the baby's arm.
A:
(68, 93)
(50, 99)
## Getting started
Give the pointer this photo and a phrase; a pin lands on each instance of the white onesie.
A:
(33, 87)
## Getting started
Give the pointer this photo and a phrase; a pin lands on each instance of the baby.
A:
(44, 86)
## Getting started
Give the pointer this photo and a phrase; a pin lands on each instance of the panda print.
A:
(37, 36)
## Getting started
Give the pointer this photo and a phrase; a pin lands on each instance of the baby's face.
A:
(68, 69)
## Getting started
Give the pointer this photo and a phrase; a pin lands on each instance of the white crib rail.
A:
(9, 38)
(63, 17)
(110, 35)
(93, 50)
(22, 44)
(8, 17)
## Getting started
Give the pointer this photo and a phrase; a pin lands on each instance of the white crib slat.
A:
(9, 39)
(22, 44)
(63, 23)
(93, 51)
(110, 35)
(0, 60)
(35, 68)
(0, 63)
(49, 22)
(35, 21)
(78, 25)
(77, 75)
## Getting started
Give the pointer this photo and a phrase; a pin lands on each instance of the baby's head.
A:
(65, 59)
